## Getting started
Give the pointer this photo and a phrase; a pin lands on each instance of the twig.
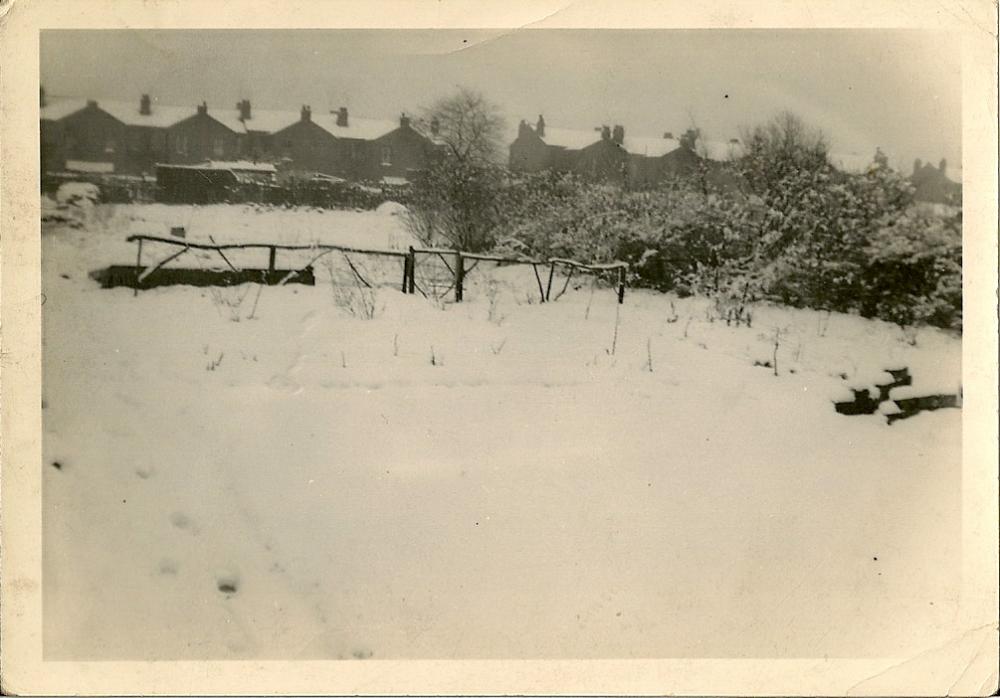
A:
(774, 356)
(614, 340)
(257, 298)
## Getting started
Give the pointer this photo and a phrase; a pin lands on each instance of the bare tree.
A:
(453, 201)
(780, 147)
(469, 125)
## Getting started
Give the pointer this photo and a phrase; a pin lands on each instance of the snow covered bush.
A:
(78, 194)
(915, 271)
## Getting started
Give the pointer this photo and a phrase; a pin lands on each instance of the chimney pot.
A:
(618, 135)
(203, 108)
(605, 133)
(540, 126)
(669, 135)
(92, 103)
(145, 107)
(306, 112)
(244, 108)
(404, 120)
(342, 117)
(943, 166)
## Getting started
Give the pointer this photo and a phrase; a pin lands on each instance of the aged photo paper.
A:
(556, 347)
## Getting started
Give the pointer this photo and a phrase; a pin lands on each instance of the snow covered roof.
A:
(395, 181)
(719, 150)
(160, 116)
(269, 120)
(577, 139)
(235, 165)
(653, 147)
(90, 166)
(274, 120)
(61, 107)
(574, 139)
(357, 127)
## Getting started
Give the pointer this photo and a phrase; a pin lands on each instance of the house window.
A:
(181, 144)
(218, 147)
(386, 155)
(109, 147)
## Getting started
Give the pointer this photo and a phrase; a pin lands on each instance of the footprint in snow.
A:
(182, 521)
(228, 584)
(168, 567)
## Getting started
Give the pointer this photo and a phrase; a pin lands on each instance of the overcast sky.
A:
(900, 90)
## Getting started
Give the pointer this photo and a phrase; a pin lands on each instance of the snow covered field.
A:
(483, 480)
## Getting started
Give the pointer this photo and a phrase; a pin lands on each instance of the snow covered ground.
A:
(228, 475)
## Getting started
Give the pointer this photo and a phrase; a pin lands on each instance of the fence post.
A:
(411, 286)
(406, 272)
(621, 285)
(548, 288)
(459, 275)
(138, 268)
(541, 291)
(270, 259)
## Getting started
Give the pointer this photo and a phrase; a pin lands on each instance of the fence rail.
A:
(458, 269)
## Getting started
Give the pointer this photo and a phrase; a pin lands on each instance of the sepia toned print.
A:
(340, 385)
(425, 352)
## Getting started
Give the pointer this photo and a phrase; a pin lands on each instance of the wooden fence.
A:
(461, 265)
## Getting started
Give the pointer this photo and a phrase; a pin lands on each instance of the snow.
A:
(268, 477)
(235, 165)
(160, 115)
(78, 193)
(60, 107)
(90, 166)
(652, 147)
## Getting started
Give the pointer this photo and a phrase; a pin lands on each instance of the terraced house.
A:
(605, 153)
(131, 138)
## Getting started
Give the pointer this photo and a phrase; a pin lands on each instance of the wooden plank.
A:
(264, 245)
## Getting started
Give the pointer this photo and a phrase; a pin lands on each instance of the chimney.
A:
(690, 137)
(943, 166)
(435, 126)
(342, 117)
(92, 103)
(203, 108)
(41, 96)
(145, 107)
(244, 108)
(540, 126)
(669, 135)
(404, 120)
(917, 164)
(605, 133)
(306, 112)
(618, 135)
